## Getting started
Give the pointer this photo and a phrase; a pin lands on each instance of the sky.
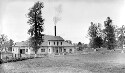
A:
(75, 17)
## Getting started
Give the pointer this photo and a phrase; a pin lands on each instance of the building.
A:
(52, 45)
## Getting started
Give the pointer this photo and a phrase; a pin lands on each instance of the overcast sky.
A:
(76, 16)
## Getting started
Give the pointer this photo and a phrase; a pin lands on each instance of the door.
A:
(22, 51)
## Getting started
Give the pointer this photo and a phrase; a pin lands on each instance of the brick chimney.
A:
(55, 30)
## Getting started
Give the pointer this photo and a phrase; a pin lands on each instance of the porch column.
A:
(58, 51)
(62, 50)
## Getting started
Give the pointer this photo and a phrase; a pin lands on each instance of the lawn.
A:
(80, 63)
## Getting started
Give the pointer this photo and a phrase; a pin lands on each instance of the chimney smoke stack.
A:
(55, 30)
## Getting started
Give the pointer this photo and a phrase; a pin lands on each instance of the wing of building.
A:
(52, 45)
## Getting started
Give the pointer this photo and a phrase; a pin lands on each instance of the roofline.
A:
(45, 46)
(55, 40)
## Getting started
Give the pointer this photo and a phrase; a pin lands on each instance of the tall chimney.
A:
(55, 30)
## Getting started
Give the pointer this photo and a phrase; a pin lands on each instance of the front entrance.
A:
(58, 50)
(22, 51)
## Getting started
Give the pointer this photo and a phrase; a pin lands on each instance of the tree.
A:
(69, 41)
(3, 40)
(95, 34)
(79, 46)
(98, 41)
(85, 45)
(36, 22)
(109, 31)
(120, 36)
(92, 32)
(11, 42)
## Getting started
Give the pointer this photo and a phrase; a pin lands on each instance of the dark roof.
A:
(23, 43)
(45, 43)
(53, 38)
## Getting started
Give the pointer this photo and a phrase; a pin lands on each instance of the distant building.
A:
(52, 45)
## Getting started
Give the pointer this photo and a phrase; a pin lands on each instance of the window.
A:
(70, 50)
(54, 43)
(49, 50)
(26, 50)
(22, 51)
(49, 43)
(61, 43)
(57, 43)
(42, 50)
(64, 50)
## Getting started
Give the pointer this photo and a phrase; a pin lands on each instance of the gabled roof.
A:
(53, 38)
(23, 43)
(45, 43)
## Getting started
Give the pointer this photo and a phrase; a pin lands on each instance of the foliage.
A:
(79, 46)
(85, 45)
(11, 42)
(109, 31)
(95, 34)
(98, 41)
(69, 41)
(3, 40)
(36, 22)
(120, 36)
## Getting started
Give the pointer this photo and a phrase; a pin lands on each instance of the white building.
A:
(52, 45)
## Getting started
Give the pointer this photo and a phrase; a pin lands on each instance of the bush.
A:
(1, 61)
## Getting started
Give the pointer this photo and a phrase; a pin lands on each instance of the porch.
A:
(58, 50)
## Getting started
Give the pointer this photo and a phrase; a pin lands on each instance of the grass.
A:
(96, 62)
(84, 63)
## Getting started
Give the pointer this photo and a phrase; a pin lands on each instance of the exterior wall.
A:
(26, 48)
(40, 52)
(57, 43)
(50, 50)
(30, 51)
(68, 49)
(15, 50)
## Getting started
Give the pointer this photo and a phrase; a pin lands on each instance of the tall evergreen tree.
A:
(109, 31)
(36, 22)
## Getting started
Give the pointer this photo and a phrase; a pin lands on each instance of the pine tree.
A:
(36, 26)
(109, 31)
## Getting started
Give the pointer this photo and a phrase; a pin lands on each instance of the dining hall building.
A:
(52, 45)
